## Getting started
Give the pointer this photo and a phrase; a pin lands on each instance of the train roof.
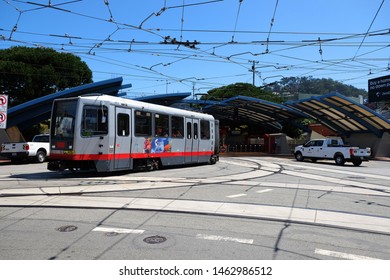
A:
(126, 102)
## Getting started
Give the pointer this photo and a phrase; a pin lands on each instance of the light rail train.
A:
(109, 133)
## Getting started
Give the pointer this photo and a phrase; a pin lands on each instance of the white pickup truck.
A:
(38, 149)
(331, 148)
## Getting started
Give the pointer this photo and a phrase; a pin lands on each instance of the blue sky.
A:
(348, 40)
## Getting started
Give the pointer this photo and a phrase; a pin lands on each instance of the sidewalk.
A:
(267, 212)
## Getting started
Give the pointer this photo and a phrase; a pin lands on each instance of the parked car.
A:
(331, 148)
(38, 149)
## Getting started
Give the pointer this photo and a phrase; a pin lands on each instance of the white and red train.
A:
(109, 133)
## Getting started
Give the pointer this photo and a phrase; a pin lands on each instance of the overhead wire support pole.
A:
(253, 70)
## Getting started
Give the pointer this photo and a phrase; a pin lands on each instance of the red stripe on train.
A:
(126, 156)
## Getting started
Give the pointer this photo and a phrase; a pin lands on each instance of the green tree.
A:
(29, 73)
(310, 85)
(244, 89)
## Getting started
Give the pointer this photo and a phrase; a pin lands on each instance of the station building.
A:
(247, 124)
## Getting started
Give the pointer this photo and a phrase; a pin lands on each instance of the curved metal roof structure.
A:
(342, 114)
(255, 111)
(37, 110)
(333, 110)
(164, 99)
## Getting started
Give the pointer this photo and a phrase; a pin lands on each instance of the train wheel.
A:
(213, 160)
(152, 164)
(149, 165)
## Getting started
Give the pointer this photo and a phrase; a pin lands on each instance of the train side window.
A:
(189, 132)
(196, 131)
(123, 121)
(177, 127)
(161, 125)
(204, 129)
(143, 123)
(94, 121)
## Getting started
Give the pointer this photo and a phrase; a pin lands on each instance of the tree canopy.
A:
(244, 89)
(310, 85)
(29, 73)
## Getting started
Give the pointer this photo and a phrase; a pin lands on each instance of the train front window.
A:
(64, 113)
(94, 121)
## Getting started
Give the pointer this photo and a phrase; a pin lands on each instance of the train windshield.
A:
(63, 118)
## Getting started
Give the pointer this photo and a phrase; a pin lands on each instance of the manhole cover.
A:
(66, 228)
(155, 239)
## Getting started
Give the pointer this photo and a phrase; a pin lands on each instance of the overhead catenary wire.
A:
(236, 22)
(372, 22)
(271, 25)
(124, 36)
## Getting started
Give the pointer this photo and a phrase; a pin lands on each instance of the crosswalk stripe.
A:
(118, 230)
(264, 191)
(236, 195)
(224, 238)
(341, 255)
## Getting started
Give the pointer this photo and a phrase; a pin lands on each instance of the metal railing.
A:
(241, 148)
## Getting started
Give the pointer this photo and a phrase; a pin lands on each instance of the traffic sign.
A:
(3, 110)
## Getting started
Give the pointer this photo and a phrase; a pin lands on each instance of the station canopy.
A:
(253, 111)
(333, 110)
(39, 109)
(164, 99)
(342, 114)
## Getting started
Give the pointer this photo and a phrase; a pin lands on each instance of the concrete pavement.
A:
(286, 214)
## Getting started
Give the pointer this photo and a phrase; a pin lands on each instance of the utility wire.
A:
(182, 24)
(235, 24)
(228, 52)
(368, 30)
(271, 25)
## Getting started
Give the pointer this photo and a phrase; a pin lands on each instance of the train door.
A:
(122, 146)
(192, 140)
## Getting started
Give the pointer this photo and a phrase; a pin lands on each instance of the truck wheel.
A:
(299, 156)
(339, 159)
(357, 161)
(40, 157)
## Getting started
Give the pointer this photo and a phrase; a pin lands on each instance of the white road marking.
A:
(327, 188)
(244, 163)
(236, 195)
(118, 230)
(264, 191)
(336, 180)
(345, 172)
(341, 255)
(224, 238)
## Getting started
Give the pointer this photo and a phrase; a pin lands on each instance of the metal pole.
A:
(253, 72)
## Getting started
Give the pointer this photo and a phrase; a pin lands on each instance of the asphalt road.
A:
(258, 208)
